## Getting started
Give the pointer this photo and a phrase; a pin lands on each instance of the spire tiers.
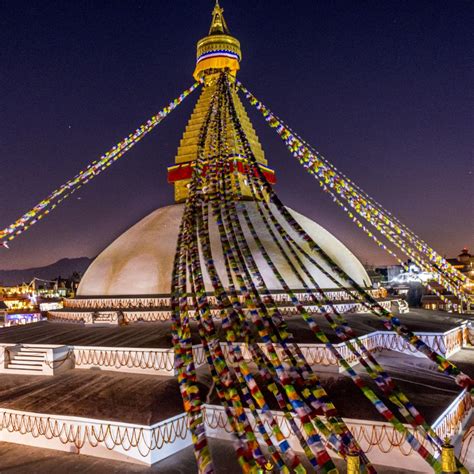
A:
(219, 50)
(181, 173)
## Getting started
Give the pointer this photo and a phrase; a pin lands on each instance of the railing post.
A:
(448, 461)
(353, 463)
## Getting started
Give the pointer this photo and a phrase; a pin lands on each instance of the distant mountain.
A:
(63, 268)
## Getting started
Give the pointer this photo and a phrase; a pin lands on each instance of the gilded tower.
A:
(216, 52)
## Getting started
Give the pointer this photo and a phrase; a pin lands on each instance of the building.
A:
(25, 303)
(464, 263)
(18, 298)
(3, 310)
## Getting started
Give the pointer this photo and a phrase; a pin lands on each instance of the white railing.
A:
(149, 444)
(379, 440)
(131, 315)
(161, 361)
(108, 302)
(108, 439)
(71, 316)
(157, 361)
(155, 302)
(146, 316)
(451, 421)
(446, 343)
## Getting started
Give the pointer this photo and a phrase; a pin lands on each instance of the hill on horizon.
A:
(64, 268)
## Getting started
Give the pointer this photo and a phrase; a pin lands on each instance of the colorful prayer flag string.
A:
(43, 208)
(247, 310)
(335, 182)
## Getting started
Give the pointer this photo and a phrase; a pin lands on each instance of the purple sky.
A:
(382, 89)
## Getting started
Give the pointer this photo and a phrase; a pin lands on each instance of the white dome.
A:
(140, 261)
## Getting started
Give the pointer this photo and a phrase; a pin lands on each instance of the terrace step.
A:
(26, 361)
(17, 366)
(23, 370)
(35, 349)
(29, 356)
(36, 359)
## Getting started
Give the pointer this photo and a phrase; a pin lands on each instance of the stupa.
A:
(113, 361)
(134, 272)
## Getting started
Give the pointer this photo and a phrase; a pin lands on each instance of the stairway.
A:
(31, 359)
(28, 360)
(105, 318)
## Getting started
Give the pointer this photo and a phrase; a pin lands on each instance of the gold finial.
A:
(448, 460)
(218, 50)
(268, 466)
(218, 24)
(353, 463)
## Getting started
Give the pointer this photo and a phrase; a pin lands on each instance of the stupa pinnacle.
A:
(217, 52)
(218, 24)
(134, 263)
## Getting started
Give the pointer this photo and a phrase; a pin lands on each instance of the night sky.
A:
(382, 88)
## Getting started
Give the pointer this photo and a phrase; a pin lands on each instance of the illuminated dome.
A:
(140, 261)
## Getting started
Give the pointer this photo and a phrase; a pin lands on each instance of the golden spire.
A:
(218, 50)
(218, 24)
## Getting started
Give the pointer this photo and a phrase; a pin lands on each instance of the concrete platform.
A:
(148, 399)
(464, 359)
(129, 398)
(158, 335)
(144, 399)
